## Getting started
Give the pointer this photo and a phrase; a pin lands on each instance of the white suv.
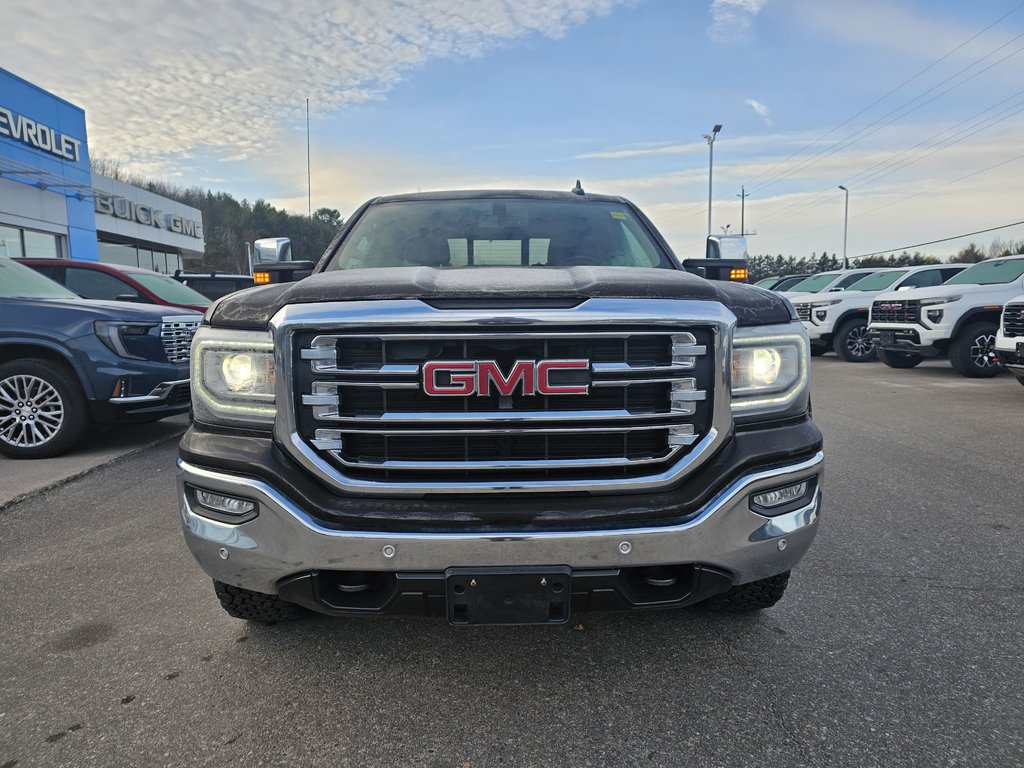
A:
(840, 320)
(827, 282)
(1010, 338)
(959, 318)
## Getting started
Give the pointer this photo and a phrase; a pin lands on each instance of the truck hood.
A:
(938, 291)
(253, 308)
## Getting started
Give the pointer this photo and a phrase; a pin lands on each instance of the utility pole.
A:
(743, 209)
(309, 185)
(710, 137)
(846, 222)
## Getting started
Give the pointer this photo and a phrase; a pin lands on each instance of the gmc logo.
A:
(476, 377)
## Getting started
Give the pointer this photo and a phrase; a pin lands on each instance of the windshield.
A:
(990, 273)
(878, 281)
(498, 232)
(814, 283)
(788, 283)
(768, 282)
(169, 289)
(20, 282)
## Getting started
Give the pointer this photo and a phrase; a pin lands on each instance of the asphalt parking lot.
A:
(899, 643)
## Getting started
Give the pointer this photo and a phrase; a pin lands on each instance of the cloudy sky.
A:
(917, 106)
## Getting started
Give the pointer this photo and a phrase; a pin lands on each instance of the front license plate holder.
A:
(1020, 349)
(508, 596)
(888, 338)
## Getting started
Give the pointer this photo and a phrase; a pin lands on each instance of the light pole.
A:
(743, 210)
(846, 222)
(710, 137)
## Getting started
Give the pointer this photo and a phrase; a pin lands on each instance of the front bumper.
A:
(283, 543)
(166, 398)
(1011, 352)
(915, 339)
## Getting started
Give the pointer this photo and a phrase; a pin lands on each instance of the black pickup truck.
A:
(499, 408)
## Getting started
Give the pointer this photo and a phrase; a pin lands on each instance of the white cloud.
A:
(731, 20)
(159, 79)
(761, 109)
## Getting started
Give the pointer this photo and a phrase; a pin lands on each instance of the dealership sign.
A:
(39, 136)
(122, 208)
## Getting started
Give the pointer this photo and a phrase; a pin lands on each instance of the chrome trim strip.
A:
(648, 316)
(504, 417)
(159, 392)
(599, 430)
(610, 368)
(429, 466)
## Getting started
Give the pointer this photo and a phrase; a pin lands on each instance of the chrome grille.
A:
(656, 403)
(176, 334)
(803, 311)
(1013, 320)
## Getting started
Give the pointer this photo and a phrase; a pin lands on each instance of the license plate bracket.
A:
(888, 338)
(1020, 349)
(508, 596)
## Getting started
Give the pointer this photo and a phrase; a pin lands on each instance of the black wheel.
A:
(43, 412)
(254, 606)
(972, 353)
(851, 342)
(817, 351)
(751, 597)
(899, 359)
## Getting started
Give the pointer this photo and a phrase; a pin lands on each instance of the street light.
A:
(710, 137)
(846, 221)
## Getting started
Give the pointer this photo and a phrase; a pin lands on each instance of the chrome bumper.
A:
(283, 540)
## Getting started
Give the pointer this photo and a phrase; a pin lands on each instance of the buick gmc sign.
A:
(123, 208)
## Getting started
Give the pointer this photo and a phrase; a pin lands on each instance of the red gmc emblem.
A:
(476, 377)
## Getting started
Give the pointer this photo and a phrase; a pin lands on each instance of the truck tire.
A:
(818, 351)
(254, 606)
(751, 597)
(899, 359)
(43, 411)
(851, 342)
(972, 353)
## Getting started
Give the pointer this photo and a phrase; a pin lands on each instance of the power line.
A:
(941, 240)
(890, 93)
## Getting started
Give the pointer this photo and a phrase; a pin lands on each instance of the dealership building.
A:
(53, 206)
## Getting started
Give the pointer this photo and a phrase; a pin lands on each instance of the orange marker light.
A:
(739, 274)
(261, 278)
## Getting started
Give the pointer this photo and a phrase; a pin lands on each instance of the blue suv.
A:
(68, 364)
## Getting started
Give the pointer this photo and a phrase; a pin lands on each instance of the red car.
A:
(116, 282)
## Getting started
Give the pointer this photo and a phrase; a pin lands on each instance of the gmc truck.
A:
(958, 318)
(1010, 338)
(499, 408)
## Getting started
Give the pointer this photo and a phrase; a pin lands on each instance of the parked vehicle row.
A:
(69, 364)
(906, 314)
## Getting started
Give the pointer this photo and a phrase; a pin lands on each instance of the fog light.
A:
(935, 315)
(229, 505)
(780, 496)
(821, 314)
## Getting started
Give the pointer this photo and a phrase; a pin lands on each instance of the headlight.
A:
(769, 371)
(827, 303)
(117, 337)
(233, 377)
(941, 300)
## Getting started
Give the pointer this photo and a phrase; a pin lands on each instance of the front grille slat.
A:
(1013, 320)
(896, 311)
(803, 311)
(360, 401)
(176, 336)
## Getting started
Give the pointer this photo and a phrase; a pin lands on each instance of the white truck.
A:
(958, 318)
(1010, 338)
(839, 320)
